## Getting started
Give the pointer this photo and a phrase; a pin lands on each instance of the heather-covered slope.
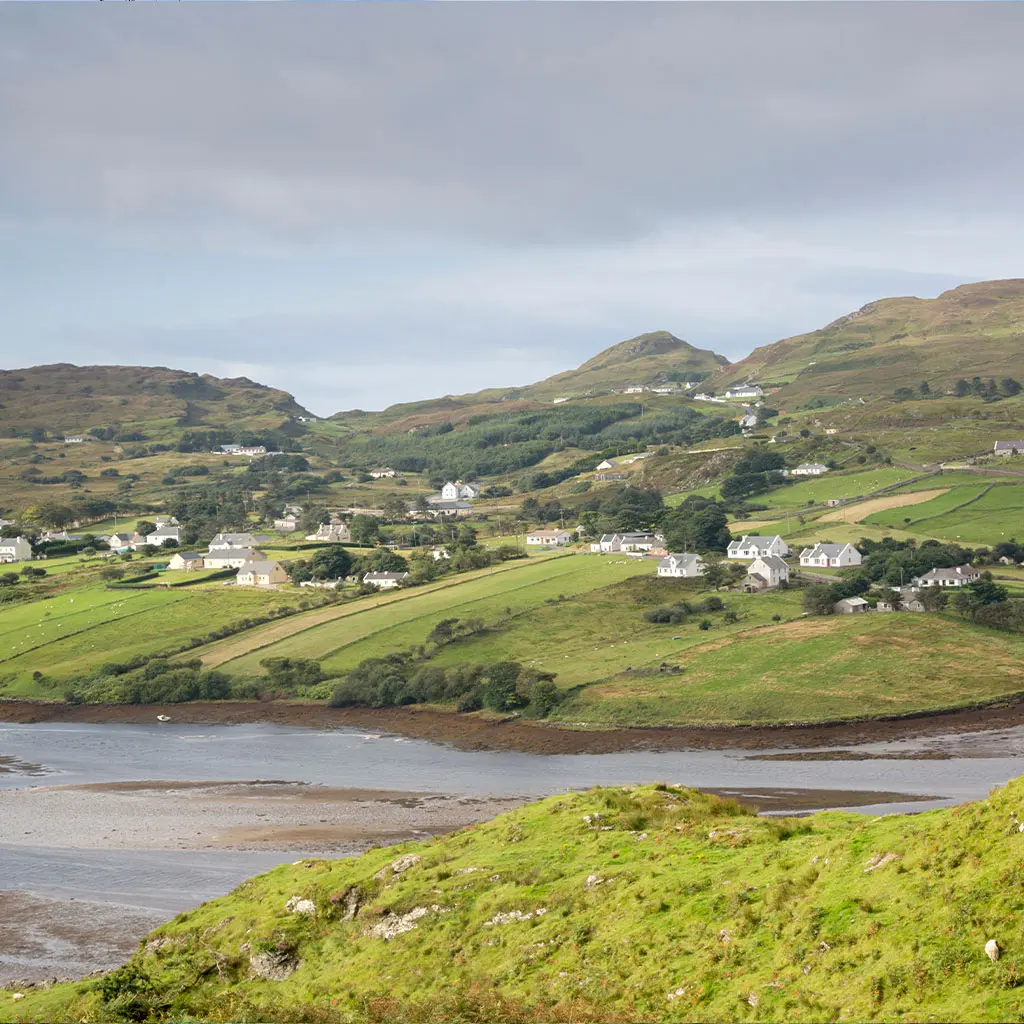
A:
(650, 903)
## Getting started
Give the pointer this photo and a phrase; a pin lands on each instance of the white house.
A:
(549, 538)
(830, 556)
(287, 524)
(753, 546)
(685, 565)
(458, 490)
(261, 574)
(1005, 448)
(439, 553)
(850, 606)
(744, 391)
(616, 542)
(74, 439)
(331, 533)
(770, 568)
(809, 469)
(385, 580)
(607, 464)
(15, 549)
(450, 508)
(231, 558)
(226, 541)
(748, 421)
(119, 542)
(162, 521)
(159, 537)
(383, 472)
(634, 389)
(959, 576)
(244, 449)
(186, 560)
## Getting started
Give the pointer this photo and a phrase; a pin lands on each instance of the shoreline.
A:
(464, 732)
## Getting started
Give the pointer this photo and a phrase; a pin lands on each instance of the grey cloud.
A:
(513, 122)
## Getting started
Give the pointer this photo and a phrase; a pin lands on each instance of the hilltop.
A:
(646, 359)
(972, 330)
(153, 400)
(632, 903)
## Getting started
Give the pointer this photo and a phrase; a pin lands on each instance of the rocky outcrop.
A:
(274, 965)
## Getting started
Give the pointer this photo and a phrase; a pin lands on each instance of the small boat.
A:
(163, 718)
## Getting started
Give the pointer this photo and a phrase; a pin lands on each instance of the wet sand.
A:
(470, 732)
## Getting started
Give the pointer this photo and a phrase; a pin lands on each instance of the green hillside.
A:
(972, 330)
(625, 904)
(155, 401)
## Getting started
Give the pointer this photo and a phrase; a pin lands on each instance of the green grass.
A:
(835, 485)
(819, 669)
(406, 619)
(649, 903)
(73, 632)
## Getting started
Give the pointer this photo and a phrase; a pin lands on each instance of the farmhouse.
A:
(752, 546)
(549, 538)
(449, 508)
(331, 533)
(15, 549)
(287, 523)
(634, 389)
(606, 464)
(231, 558)
(458, 490)
(1005, 448)
(681, 566)
(260, 574)
(119, 542)
(745, 391)
(74, 439)
(162, 521)
(160, 536)
(616, 542)
(225, 541)
(186, 560)
(748, 421)
(830, 556)
(385, 580)
(850, 606)
(809, 469)
(959, 576)
(770, 568)
(439, 553)
(383, 472)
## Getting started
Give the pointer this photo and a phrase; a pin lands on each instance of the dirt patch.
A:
(858, 513)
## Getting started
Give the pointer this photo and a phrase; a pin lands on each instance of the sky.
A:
(372, 203)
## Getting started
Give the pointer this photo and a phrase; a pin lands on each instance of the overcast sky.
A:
(371, 203)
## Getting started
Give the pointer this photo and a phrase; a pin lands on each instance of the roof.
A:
(812, 465)
(451, 504)
(754, 538)
(687, 558)
(188, 554)
(247, 554)
(549, 533)
(232, 536)
(955, 573)
(831, 550)
(385, 576)
(772, 561)
(852, 600)
(1008, 446)
(259, 567)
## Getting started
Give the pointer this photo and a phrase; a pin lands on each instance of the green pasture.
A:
(836, 667)
(396, 624)
(73, 632)
(818, 490)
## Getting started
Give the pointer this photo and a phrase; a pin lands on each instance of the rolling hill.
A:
(65, 399)
(972, 330)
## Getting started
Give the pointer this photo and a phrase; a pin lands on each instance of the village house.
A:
(830, 556)
(612, 543)
(681, 566)
(634, 389)
(753, 546)
(439, 553)
(959, 576)
(1006, 448)
(446, 509)
(459, 491)
(808, 469)
(261, 574)
(385, 580)
(15, 549)
(383, 472)
(606, 464)
(292, 510)
(224, 541)
(118, 542)
(850, 606)
(186, 561)
(705, 397)
(331, 533)
(287, 523)
(549, 538)
(162, 521)
(748, 421)
(231, 558)
(744, 391)
(639, 457)
(74, 439)
(160, 536)
(831, 430)
(769, 568)
(559, 401)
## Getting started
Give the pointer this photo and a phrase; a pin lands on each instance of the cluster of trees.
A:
(157, 681)
(987, 389)
(758, 472)
(698, 524)
(399, 679)
(210, 440)
(682, 610)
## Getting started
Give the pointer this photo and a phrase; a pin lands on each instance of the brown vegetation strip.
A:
(858, 513)
(471, 732)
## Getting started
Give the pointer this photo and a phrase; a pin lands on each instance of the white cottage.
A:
(830, 556)
(754, 546)
(770, 568)
(15, 549)
(685, 566)
(549, 538)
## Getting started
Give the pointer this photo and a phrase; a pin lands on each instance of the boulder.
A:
(275, 965)
(297, 905)
(406, 862)
(392, 925)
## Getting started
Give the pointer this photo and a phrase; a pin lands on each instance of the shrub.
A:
(704, 624)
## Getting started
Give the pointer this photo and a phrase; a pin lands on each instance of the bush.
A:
(704, 624)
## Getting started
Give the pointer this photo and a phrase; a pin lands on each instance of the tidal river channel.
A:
(105, 830)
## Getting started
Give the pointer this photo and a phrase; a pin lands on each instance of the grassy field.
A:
(73, 632)
(836, 485)
(817, 669)
(649, 903)
(404, 619)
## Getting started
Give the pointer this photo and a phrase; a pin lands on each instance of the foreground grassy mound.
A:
(651, 903)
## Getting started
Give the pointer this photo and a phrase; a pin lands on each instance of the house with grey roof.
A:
(769, 568)
(808, 469)
(830, 556)
(385, 580)
(231, 558)
(958, 576)
(684, 566)
(753, 546)
(1006, 448)
(262, 573)
(850, 606)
